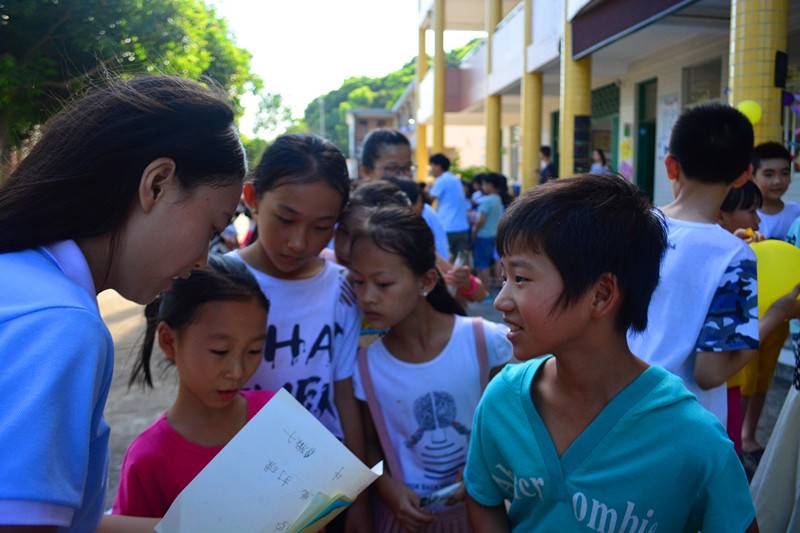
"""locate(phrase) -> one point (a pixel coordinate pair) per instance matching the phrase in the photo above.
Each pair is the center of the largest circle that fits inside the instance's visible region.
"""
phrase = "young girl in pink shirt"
(211, 327)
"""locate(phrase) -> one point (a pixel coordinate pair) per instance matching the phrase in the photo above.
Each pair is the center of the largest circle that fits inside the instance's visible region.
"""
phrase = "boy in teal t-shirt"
(592, 438)
(490, 209)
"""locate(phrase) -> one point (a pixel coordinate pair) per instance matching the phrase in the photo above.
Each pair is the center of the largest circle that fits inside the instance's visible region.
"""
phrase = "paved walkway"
(131, 410)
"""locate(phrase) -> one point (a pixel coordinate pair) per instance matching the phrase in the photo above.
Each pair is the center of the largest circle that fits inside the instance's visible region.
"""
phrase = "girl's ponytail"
(141, 370)
(441, 299)
(224, 278)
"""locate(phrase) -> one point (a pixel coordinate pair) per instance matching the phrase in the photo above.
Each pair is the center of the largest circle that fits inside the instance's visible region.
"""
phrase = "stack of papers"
(283, 472)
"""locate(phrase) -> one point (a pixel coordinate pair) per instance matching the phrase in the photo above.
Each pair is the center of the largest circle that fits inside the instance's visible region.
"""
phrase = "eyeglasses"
(396, 170)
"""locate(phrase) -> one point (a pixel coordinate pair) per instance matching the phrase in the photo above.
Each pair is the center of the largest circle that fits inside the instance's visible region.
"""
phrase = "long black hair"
(402, 232)
(81, 177)
(603, 160)
(223, 279)
(302, 158)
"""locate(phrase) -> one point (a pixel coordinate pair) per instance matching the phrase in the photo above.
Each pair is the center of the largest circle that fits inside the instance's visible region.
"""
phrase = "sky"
(304, 48)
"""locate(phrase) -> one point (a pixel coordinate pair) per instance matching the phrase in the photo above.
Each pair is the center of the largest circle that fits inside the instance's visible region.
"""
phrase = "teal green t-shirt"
(492, 206)
(652, 460)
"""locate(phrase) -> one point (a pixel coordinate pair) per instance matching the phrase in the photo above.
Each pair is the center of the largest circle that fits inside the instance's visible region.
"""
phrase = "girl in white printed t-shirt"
(421, 382)
(297, 193)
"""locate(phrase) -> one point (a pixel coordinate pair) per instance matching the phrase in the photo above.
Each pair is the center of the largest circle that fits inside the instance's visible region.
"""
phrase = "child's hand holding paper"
(283, 472)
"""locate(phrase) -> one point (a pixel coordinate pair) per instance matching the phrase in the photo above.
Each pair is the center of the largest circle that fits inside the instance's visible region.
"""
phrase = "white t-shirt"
(431, 404)
(706, 301)
(439, 234)
(777, 226)
(312, 339)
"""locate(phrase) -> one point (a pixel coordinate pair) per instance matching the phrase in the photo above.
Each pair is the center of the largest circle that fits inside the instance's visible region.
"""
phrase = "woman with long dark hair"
(123, 191)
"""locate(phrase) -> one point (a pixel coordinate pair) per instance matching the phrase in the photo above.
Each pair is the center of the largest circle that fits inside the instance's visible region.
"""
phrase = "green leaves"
(360, 92)
(53, 49)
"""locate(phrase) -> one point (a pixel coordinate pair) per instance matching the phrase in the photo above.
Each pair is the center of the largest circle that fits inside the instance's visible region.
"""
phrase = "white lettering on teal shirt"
(600, 517)
(516, 488)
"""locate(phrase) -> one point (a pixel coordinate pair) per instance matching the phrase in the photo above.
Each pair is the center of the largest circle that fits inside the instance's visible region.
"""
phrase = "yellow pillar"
(438, 77)
(576, 99)
(493, 102)
(422, 129)
(531, 110)
(758, 29)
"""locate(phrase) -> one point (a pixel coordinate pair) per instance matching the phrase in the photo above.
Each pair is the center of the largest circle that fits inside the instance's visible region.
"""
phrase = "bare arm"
(480, 222)
(460, 277)
(785, 308)
(712, 369)
(483, 518)
(350, 415)
(372, 445)
(127, 524)
(353, 427)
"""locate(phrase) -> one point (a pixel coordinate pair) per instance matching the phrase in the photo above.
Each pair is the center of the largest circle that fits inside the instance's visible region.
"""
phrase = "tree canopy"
(362, 91)
(52, 49)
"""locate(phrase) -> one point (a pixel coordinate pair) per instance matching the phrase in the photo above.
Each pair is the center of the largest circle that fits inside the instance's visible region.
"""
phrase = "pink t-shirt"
(160, 463)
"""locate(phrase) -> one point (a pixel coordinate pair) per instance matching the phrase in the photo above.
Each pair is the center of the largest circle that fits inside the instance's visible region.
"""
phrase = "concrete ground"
(131, 410)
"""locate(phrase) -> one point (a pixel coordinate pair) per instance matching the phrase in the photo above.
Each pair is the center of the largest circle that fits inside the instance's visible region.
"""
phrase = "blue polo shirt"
(451, 203)
(57, 361)
(652, 460)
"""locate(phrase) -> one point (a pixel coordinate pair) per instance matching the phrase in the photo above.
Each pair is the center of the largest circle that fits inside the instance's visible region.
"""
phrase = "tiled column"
(531, 110)
(758, 29)
(493, 103)
(576, 99)
(422, 129)
(438, 76)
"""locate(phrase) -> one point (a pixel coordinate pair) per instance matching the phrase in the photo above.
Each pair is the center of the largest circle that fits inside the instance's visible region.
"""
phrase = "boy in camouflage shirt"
(703, 317)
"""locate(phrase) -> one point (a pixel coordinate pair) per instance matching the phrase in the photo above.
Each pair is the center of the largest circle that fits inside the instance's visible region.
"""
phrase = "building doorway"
(646, 136)
(605, 122)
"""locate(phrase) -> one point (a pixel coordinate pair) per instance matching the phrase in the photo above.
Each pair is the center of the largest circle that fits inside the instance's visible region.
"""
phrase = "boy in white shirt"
(772, 172)
(703, 317)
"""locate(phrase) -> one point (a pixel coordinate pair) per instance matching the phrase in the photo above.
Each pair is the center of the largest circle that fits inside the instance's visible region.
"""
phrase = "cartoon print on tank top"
(443, 439)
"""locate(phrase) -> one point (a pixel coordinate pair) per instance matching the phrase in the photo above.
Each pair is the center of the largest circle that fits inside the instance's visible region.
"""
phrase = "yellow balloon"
(778, 266)
(751, 109)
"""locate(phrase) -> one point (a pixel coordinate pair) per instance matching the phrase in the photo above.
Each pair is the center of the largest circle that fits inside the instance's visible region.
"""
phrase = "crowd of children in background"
(430, 362)
(635, 330)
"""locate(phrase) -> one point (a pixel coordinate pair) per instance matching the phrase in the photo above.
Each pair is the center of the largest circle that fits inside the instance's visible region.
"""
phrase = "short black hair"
(545, 151)
(744, 197)
(588, 226)
(441, 160)
(712, 143)
(374, 194)
(376, 140)
(409, 187)
(222, 279)
(769, 150)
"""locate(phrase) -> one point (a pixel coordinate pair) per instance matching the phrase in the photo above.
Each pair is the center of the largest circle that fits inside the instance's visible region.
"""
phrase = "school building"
(610, 74)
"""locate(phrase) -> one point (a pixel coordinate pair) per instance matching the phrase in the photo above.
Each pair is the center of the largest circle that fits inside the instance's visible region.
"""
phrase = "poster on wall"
(626, 156)
(668, 113)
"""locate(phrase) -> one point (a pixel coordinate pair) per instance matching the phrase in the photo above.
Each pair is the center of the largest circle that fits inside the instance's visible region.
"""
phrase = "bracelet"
(473, 288)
